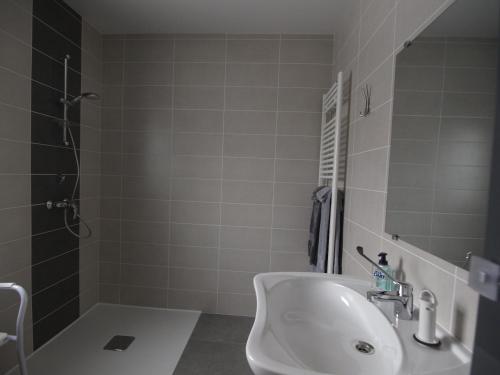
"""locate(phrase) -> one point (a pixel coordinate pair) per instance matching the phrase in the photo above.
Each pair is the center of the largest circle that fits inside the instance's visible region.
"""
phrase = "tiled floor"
(217, 347)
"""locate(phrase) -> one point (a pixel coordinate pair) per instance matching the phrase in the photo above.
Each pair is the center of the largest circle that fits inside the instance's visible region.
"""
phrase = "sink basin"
(313, 324)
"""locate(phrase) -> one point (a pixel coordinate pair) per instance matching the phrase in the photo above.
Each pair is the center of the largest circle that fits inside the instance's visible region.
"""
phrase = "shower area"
(145, 179)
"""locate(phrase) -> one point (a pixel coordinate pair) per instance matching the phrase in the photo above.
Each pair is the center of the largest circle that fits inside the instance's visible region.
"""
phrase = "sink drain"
(364, 347)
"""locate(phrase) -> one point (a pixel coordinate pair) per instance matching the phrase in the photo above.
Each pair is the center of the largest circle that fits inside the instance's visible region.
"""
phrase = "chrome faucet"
(401, 300)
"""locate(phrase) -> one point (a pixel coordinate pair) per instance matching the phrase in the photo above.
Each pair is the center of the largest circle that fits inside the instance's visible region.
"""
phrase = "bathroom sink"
(312, 324)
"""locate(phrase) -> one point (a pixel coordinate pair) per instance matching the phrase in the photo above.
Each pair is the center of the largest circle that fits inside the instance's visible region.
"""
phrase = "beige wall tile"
(195, 235)
(287, 217)
(199, 73)
(236, 282)
(198, 121)
(306, 75)
(141, 296)
(147, 73)
(244, 260)
(192, 300)
(247, 192)
(147, 50)
(237, 304)
(289, 240)
(242, 74)
(245, 238)
(246, 215)
(199, 97)
(194, 156)
(253, 51)
(195, 213)
(205, 280)
(299, 123)
(251, 98)
(297, 147)
(249, 122)
(200, 50)
(193, 257)
(306, 51)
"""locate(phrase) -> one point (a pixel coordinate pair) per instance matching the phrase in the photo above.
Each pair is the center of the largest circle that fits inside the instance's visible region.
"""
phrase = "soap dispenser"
(427, 320)
(381, 280)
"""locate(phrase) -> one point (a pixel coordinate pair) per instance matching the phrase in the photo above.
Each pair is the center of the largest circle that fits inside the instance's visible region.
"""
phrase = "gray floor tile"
(213, 358)
(222, 328)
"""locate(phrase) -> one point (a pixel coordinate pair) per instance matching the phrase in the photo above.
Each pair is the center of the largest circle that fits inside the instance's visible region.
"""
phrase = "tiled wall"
(209, 157)
(57, 31)
(442, 145)
(35, 251)
(90, 159)
(371, 34)
(15, 166)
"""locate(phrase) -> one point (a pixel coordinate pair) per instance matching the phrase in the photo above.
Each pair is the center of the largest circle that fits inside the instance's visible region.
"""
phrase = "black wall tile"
(48, 245)
(51, 325)
(51, 43)
(48, 130)
(52, 187)
(50, 72)
(60, 17)
(46, 100)
(45, 220)
(50, 299)
(46, 274)
(55, 252)
(52, 160)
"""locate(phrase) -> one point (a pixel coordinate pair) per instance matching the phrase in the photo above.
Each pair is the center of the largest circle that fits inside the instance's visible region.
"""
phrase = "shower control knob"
(60, 204)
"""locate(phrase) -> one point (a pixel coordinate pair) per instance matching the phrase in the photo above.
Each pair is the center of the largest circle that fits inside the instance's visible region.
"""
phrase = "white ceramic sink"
(311, 324)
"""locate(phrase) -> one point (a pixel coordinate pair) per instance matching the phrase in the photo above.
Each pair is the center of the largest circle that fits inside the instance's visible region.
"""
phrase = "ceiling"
(467, 19)
(212, 16)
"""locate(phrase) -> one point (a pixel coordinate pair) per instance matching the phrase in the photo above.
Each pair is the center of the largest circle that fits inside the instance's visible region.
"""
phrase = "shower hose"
(71, 205)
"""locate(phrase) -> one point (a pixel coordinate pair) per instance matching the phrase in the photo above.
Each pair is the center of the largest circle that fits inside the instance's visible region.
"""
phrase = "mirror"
(442, 131)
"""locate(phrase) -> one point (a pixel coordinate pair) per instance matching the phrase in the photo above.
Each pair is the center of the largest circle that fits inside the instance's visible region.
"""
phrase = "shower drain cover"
(119, 343)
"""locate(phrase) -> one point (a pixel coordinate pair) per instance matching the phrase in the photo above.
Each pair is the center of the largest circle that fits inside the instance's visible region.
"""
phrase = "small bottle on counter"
(381, 280)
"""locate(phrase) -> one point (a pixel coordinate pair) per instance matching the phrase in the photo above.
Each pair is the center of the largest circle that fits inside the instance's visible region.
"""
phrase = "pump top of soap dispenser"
(382, 259)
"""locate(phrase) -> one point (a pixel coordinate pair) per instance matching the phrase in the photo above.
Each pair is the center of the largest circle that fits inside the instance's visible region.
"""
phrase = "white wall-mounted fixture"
(329, 155)
(18, 338)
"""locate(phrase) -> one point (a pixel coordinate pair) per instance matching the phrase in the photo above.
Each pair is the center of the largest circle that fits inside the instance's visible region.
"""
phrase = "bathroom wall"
(446, 142)
(371, 33)
(36, 251)
(209, 157)
(15, 165)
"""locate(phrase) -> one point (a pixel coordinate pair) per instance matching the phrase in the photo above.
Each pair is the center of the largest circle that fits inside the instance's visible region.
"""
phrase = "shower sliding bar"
(19, 337)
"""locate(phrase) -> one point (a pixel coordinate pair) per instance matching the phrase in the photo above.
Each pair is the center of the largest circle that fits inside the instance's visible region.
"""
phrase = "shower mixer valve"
(66, 204)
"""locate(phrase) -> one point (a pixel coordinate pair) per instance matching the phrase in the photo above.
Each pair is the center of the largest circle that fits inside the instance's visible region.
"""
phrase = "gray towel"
(339, 233)
(319, 228)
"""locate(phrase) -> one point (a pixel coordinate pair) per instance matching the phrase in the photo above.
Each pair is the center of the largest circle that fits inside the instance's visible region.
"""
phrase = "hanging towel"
(339, 233)
(318, 229)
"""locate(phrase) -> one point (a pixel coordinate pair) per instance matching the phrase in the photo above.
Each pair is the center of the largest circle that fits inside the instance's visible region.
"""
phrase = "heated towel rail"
(331, 154)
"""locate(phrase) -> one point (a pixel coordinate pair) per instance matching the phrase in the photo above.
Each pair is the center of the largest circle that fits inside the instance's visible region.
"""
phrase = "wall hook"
(367, 95)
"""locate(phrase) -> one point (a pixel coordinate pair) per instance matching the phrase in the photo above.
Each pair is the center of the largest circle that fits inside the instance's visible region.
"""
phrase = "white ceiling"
(212, 16)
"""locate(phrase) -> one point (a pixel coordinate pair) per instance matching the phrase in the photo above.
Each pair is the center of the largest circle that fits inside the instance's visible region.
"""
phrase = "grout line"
(273, 199)
(171, 166)
(221, 196)
(122, 100)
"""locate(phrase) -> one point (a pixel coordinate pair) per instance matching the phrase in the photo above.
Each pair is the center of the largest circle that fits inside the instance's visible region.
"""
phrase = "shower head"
(79, 98)
(84, 95)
